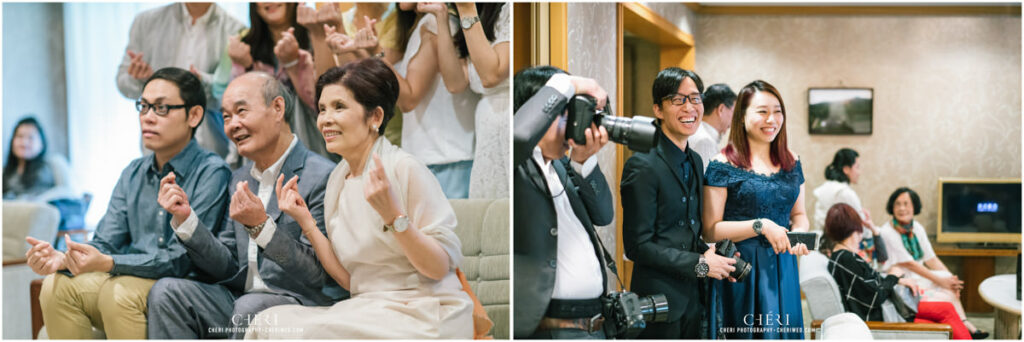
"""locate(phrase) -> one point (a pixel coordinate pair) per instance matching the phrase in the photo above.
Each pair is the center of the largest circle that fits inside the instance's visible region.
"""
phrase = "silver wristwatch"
(757, 226)
(400, 225)
(702, 268)
(469, 21)
(254, 231)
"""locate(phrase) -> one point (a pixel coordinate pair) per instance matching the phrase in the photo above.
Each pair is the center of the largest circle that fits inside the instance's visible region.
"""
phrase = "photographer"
(661, 203)
(557, 256)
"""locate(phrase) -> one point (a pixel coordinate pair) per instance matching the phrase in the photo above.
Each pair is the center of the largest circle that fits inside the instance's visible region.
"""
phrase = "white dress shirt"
(267, 182)
(705, 142)
(578, 274)
(193, 45)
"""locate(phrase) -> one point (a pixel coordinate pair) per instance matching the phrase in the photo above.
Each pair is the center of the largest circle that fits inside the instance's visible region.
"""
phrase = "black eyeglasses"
(159, 109)
(680, 99)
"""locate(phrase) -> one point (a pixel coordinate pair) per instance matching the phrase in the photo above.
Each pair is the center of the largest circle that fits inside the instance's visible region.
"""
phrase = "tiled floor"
(983, 321)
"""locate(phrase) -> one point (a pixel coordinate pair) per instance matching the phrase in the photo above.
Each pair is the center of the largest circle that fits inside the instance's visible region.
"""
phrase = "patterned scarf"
(909, 240)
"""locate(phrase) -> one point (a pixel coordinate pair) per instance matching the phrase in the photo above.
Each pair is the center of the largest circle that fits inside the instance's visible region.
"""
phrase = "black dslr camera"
(626, 313)
(727, 249)
(638, 133)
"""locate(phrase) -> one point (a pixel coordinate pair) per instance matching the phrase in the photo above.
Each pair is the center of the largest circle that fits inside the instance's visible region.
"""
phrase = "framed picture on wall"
(840, 111)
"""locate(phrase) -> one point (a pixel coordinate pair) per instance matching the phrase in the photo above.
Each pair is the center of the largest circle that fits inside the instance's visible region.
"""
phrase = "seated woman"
(31, 174)
(391, 243)
(910, 250)
(865, 289)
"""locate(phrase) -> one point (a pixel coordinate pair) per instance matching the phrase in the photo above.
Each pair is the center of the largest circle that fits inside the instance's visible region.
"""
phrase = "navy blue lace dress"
(766, 305)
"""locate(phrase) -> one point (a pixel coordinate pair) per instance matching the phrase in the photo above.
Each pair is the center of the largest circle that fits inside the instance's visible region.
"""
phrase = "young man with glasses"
(105, 283)
(661, 211)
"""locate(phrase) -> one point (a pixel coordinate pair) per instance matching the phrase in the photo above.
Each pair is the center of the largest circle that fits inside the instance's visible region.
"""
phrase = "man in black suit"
(558, 260)
(661, 202)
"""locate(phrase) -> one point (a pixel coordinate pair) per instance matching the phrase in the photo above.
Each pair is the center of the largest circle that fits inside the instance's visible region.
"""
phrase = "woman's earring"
(374, 127)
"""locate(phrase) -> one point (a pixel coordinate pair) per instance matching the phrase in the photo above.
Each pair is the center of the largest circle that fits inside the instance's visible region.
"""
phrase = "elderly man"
(260, 259)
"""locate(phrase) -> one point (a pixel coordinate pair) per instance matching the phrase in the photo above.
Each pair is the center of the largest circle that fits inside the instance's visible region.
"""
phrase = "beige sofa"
(483, 229)
(484, 232)
(22, 219)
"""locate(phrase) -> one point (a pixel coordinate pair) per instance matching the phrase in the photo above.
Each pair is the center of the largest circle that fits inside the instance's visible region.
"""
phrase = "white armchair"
(22, 219)
(824, 301)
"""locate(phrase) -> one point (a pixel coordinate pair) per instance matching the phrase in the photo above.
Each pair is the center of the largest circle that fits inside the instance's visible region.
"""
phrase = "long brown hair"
(738, 150)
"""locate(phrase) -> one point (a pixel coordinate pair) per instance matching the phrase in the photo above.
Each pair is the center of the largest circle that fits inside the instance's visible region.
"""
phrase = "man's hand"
(84, 258)
(719, 266)
(246, 208)
(42, 258)
(597, 137)
(173, 199)
(138, 68)
(590, 87)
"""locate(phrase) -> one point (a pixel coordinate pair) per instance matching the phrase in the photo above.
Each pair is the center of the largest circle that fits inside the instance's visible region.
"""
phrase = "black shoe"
(979, 335)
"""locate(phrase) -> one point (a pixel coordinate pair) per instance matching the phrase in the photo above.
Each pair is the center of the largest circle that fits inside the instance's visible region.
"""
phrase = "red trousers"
(942, 312)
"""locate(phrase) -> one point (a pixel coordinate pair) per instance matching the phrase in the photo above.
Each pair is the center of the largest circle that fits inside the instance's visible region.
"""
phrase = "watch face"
(401, 224)
(702, 269)
(468, 22)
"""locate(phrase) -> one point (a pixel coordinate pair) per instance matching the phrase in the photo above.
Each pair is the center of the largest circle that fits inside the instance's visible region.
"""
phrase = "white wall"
(33, 70)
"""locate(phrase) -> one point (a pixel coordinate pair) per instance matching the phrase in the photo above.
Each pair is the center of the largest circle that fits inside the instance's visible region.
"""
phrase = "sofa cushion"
(21, 219)
(483, 230)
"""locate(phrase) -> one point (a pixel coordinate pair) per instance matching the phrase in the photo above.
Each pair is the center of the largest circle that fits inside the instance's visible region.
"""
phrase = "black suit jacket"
(535, 233)
(659, 234)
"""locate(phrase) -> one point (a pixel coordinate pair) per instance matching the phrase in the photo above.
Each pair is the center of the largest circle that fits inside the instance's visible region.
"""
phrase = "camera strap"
(608, 259)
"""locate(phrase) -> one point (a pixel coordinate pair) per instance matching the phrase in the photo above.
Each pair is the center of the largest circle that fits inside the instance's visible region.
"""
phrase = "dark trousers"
(188, 309)
(684, 328)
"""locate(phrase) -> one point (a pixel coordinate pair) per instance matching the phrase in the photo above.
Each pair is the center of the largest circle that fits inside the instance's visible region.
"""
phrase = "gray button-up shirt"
(136, 231)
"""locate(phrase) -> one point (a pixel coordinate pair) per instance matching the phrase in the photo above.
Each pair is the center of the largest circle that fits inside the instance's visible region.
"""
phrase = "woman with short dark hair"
(392, 243)
(911, 254)
(864, 289)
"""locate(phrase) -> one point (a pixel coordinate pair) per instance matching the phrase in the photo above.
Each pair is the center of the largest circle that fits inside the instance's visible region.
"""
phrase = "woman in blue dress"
(754, 195)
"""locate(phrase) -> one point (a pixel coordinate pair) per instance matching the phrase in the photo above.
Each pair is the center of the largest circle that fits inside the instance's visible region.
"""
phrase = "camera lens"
(654, 308)
(637, 133)
(728, 249)
(742, 269)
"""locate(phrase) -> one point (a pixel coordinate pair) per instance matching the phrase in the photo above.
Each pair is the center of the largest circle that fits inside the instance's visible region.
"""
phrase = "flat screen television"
(979, 210)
